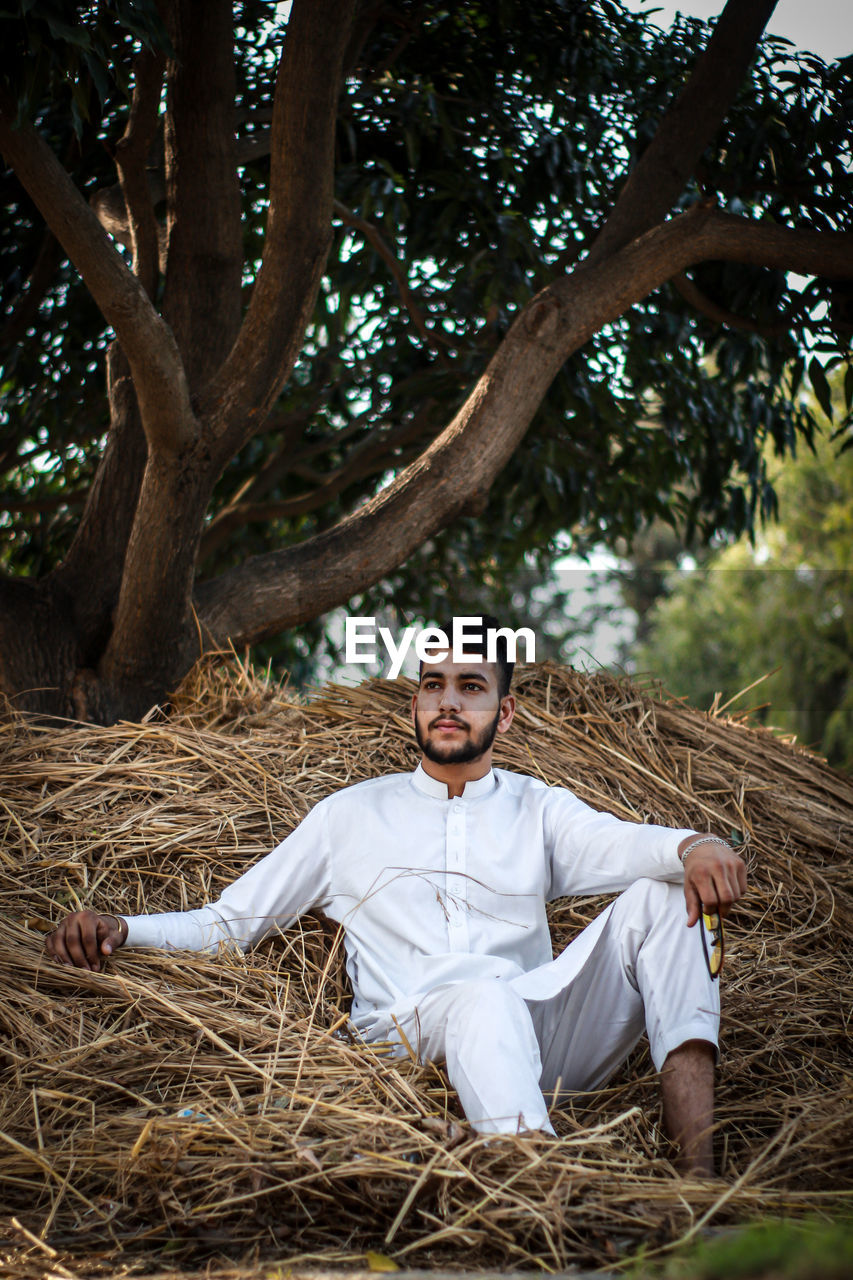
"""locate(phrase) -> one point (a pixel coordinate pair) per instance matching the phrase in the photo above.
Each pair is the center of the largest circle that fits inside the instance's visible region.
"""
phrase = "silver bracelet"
(704, 840)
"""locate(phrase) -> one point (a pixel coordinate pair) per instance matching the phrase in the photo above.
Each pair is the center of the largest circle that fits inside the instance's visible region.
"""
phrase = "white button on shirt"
(429, 890)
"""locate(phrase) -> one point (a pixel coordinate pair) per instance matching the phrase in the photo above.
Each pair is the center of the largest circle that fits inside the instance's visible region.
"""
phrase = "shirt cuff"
(678, 834)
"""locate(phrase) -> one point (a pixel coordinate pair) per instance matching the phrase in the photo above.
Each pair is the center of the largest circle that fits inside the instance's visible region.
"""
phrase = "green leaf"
(63, 32)
(820, 386)
(99, 76)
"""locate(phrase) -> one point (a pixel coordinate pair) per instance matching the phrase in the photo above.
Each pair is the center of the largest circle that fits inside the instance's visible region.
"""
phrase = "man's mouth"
(447, 726)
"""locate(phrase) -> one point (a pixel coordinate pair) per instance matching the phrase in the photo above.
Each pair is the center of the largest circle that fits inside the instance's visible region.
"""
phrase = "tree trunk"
(91, 573)
(107, 634)
(140, 666)
(40, 655)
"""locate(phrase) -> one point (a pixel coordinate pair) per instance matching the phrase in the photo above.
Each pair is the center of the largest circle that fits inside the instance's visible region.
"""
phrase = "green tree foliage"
(488, 151)
(782, 609)
(481, 152)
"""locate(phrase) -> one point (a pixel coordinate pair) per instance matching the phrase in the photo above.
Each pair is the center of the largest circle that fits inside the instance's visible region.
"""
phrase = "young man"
(440, 880)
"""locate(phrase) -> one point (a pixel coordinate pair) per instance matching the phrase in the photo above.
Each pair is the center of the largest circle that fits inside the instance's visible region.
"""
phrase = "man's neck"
(454, 776)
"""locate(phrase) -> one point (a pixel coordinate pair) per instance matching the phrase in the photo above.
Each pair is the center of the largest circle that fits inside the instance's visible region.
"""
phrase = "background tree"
(782, 609)
(396, 287)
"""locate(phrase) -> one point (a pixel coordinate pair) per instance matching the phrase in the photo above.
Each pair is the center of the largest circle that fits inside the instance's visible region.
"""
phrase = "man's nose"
(450, 700)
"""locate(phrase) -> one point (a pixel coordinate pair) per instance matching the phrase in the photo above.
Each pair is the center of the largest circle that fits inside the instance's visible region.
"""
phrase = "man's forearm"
(202, 929)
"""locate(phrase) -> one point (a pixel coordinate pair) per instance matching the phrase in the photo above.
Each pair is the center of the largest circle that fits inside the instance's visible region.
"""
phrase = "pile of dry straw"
(309, 1149)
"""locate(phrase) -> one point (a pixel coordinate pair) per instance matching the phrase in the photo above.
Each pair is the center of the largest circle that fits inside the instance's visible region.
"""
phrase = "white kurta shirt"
(430, 890)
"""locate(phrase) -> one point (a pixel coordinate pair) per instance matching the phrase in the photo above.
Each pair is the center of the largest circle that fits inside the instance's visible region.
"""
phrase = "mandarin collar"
(438, 790)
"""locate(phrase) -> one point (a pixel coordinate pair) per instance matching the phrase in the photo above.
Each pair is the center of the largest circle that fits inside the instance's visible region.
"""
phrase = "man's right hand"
(84, 937)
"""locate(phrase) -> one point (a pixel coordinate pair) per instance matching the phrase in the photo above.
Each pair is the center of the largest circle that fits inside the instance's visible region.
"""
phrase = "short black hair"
(476, 639)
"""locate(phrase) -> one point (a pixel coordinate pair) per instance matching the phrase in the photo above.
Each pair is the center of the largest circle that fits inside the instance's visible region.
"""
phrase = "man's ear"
(507, 706)
(414, 706)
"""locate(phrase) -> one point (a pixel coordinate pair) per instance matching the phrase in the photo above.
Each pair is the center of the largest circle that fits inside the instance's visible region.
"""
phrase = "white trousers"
(573, 1021)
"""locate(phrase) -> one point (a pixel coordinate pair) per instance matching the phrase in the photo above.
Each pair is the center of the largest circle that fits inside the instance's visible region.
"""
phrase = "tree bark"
(139, 667)
(132, 151)
(154, 605)
(202, 300)
(102, 536)
(149, 545)
(298, 232)
(39, 652)
(91, 573)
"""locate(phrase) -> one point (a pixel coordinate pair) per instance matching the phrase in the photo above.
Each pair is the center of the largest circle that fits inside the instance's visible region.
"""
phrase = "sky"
(824, 27)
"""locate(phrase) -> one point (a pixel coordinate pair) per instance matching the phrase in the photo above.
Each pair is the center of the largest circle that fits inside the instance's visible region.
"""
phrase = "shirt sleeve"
(294, 878)
(592, 852)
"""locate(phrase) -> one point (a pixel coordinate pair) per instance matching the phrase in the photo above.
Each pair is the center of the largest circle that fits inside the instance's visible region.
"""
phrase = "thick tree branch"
(240, 396)
(202, 298)
(713, 311)
(724, 237)
(158, 374)
(284, 588)
(131, 155)
(687, 127)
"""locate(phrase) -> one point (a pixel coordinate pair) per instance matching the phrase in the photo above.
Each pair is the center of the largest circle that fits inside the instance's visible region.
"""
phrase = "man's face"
(457, 710)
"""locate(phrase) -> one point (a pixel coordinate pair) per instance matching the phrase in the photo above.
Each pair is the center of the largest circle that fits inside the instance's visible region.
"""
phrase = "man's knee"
(652, 901)
(659, 892)
(487, 1017)
(651, 915)
(472, 1012)
(485, 999)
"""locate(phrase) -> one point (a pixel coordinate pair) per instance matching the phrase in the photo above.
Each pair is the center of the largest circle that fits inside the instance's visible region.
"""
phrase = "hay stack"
(304, 1147)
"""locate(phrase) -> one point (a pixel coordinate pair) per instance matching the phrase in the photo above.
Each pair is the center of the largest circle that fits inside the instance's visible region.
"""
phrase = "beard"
(462, 752)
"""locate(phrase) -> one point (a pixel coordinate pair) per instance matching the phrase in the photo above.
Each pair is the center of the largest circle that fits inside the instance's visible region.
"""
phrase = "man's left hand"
(714, 878)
